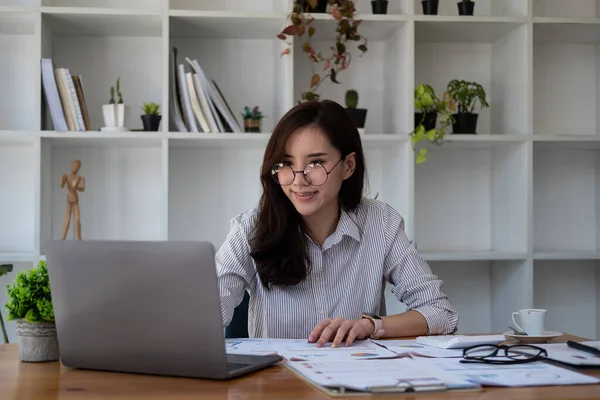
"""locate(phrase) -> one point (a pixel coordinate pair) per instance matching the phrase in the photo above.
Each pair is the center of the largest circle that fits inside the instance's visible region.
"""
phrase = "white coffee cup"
(532, 320)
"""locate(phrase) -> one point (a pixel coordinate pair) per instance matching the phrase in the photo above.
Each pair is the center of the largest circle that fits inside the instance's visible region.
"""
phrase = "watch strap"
(378, 326)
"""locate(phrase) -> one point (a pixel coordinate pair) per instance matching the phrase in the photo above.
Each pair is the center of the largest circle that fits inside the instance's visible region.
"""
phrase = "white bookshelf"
(508, 218)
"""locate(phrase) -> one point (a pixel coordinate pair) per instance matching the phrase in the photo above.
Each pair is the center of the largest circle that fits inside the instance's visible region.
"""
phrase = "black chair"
(238, 328)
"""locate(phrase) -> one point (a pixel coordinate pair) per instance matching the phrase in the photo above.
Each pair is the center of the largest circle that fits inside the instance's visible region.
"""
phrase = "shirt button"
(323, 312)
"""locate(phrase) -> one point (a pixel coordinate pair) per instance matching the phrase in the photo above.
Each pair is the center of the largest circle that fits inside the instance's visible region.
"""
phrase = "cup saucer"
(543, 338)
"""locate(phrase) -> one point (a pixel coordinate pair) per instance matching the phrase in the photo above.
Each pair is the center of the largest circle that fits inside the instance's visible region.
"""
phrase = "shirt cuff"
(439, 321)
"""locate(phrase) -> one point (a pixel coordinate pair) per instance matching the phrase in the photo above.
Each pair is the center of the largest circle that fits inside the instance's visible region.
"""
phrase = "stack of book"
(197, 104)
(64, 98)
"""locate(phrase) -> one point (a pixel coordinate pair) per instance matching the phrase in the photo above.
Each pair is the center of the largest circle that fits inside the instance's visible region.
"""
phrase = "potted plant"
(430, 107)
(30, 304)
(430, 7)
(466, 7)
(462, 96)
(252, 119)
(4, 269)
(379, 6)
(313, 6)
(109, 111)
(120, 106)
(345, 31)
(357, 115)
(151, 118)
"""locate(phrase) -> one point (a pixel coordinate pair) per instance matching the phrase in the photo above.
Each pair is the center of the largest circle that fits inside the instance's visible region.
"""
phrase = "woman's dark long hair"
(278, 244)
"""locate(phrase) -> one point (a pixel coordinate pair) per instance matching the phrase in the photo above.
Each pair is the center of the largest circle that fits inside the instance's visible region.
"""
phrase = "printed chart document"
(515, 375)
(390, 375)
(410, 348)
(562, 353)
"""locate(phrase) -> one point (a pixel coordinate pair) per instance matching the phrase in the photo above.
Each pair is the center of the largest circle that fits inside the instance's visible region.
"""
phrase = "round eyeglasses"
(314, 172)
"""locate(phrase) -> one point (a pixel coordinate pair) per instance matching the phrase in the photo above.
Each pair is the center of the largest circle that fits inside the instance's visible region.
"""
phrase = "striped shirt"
(368, 248)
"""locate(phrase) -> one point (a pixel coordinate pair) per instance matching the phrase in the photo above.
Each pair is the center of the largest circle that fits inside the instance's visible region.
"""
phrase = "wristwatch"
(377, 322)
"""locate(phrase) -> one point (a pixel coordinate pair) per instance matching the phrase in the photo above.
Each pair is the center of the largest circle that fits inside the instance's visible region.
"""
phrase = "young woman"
(315, 254)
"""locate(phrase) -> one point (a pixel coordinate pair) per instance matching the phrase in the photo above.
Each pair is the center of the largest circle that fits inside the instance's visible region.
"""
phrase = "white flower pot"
(109, 111)
(38, 342)
(120, 115)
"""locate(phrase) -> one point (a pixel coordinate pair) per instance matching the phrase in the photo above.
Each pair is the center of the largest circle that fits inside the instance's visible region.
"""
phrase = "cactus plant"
(351, 98)
(119, 90)
(112, 95)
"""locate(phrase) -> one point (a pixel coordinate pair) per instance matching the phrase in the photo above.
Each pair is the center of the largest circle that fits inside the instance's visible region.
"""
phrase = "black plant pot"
(379, 6)
(151, 122)
(465, 123)
(466, 7)
(430, 7)
(320, 8)
(358, 116)
(428, 122)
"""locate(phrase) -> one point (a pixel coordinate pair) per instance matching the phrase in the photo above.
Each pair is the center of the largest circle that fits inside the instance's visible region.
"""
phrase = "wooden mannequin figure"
(75, 183)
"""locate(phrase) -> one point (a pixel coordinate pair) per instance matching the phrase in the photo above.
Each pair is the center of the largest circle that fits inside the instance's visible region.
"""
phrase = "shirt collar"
(347, 226)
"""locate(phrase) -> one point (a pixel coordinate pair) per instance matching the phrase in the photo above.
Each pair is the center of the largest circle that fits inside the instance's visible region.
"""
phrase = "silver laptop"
(149, 307)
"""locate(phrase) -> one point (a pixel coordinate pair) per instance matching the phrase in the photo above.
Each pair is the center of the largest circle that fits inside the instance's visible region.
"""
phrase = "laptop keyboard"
(231, 366)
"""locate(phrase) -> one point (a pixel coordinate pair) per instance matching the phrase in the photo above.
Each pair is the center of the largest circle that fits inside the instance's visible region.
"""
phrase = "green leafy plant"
(29, 296)
(426, 101)
(254, 114)
(151, 108)
(462, 96)
(4, 270)
(112, 95)
(300, 25)
(351, 98)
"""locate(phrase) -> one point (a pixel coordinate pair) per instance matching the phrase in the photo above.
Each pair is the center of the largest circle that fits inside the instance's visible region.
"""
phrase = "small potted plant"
(30, 304)
(379, 6)
(120, 106)
(431, 108)
(357, 115)
(252, 119)
(4, 269)
(430, 7)
(151, 118)
(462, 96)
(109, 111)
(466, 7)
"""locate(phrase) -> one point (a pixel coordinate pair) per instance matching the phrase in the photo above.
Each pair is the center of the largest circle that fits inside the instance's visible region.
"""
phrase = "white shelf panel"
(472, 200)
(8, 138)
(566, 189)
(265, 6)
(479, 141)
(568, 141)
(461, 29)
(9, 258)
(569, 290)
(566, 30)
(140, 5)
(19, 47)
(225, 24)
(84, 21)
(17, 177)
(567, 255)
(472, 256)
(572, 9)
(103, 139)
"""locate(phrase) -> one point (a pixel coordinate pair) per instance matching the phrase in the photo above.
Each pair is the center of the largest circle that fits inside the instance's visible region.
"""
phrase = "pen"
(583, 347)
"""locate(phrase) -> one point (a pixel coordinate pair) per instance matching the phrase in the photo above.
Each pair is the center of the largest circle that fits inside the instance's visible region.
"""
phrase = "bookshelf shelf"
(507, 217)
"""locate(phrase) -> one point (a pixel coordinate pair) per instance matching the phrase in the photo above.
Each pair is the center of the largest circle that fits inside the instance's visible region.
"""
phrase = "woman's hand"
(339, 330)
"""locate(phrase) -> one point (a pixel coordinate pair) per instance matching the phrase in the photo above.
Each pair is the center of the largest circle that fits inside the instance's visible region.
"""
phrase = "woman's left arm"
(429, 310)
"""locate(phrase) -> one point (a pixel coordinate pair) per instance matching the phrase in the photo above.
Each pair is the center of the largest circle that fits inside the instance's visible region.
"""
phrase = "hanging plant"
(299, 24)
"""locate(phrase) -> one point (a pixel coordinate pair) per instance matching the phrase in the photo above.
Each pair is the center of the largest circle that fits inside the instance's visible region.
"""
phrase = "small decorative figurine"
(75, 183)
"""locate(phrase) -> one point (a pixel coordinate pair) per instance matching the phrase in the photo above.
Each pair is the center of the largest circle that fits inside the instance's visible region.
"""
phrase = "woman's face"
(309, 148)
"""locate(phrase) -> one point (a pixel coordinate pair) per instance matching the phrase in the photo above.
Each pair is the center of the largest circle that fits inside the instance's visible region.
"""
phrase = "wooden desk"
(45, 381)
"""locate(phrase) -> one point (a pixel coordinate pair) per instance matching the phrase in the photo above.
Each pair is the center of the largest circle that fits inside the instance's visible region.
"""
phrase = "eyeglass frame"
(542, 355)
(303, 172)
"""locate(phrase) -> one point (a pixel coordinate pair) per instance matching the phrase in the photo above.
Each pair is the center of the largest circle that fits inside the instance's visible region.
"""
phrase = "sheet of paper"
(410, 348)
(260, 346)
(515, 375)
(378, 375)
(362, 350)
(565, 354)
